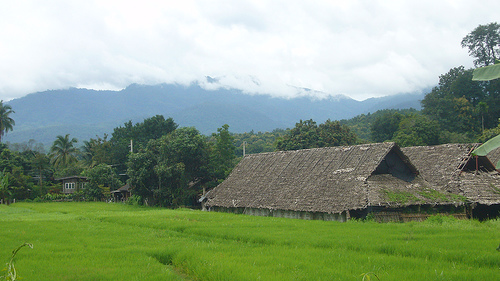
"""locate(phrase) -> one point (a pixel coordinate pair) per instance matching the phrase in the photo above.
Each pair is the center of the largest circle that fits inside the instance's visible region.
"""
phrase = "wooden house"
(331, 183)
(454, 169)
(122, 193)
(72, 184)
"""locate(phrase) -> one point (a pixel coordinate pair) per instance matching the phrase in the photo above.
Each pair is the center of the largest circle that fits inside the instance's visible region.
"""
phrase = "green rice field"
(107, 241)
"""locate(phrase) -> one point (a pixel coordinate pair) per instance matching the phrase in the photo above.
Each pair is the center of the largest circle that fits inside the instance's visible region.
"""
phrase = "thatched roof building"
(454, 169)
(331, 183)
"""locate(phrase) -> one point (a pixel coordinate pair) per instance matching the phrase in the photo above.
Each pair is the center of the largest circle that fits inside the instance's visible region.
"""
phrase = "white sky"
(357, 48)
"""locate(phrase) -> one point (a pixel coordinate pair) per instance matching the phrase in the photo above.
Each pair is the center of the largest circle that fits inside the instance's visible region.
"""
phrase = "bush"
(440, 219)
(134, 200)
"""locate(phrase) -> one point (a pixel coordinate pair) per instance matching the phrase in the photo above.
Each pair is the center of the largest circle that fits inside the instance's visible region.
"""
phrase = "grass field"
(101, 241)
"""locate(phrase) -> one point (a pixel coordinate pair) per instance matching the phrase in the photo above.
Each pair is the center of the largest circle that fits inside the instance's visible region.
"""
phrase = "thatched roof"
(330, 180)
(124, 189)
(453, 168)
(72, 178)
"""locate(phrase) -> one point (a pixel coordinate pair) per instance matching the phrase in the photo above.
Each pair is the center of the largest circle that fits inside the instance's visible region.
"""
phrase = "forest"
(171, 166)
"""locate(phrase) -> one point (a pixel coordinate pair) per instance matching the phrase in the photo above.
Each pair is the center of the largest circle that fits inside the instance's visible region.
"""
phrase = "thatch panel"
(273, 180)
(437, 164)
(386, 190)
(482, 188)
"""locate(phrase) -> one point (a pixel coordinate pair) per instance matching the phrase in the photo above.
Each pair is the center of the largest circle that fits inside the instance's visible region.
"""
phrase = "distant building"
(72, 184)
(122, 193)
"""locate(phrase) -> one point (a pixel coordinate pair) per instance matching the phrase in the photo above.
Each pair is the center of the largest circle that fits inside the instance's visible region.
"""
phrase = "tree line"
(168, 166)
(171, 166)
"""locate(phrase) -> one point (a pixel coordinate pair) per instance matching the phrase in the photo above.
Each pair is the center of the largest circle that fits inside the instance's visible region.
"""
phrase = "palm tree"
(88, 153)
(6, 122)
(63, 152)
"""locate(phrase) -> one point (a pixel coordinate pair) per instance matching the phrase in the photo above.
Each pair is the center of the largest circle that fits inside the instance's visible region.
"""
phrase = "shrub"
(440, 219)
(134, 200)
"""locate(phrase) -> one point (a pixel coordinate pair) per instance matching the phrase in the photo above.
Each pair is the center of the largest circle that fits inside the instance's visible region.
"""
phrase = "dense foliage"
(251, 142)
(134, 137)
(167, 171)
(307, 134)
(101, 179)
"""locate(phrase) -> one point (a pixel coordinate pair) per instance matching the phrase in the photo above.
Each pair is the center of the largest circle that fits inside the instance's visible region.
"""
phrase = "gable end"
(396, 164)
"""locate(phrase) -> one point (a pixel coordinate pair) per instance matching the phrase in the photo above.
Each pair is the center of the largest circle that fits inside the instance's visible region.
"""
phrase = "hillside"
(86, 113)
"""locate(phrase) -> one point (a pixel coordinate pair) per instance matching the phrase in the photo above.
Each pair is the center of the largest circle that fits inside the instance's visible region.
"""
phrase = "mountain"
(84, 113)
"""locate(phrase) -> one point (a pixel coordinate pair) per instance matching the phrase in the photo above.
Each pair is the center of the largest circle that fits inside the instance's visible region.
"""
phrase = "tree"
(97, 151)
(257, 142)
(453, 102)
(332, 133)
(307, 134)
(170, 170)
(140, 134)
(483, 44)
(415, 129)
(303, 136)
(489, 134)
(14, 164)
(222, 155)
(5, 192)
(6, 122)
(40, 162)
(384, 126)
(142, 177)
(63, 152)
(154, 128)
(101, 179)
(482, 108)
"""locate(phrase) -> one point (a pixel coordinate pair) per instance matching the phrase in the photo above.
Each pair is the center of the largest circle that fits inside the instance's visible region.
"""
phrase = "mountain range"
(85, 113)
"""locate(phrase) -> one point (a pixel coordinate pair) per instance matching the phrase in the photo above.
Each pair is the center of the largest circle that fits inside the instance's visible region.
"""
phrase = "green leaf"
(486, 147)
(486, 73)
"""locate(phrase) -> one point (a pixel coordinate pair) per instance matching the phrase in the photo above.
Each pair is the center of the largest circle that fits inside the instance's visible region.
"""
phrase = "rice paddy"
(101, 241)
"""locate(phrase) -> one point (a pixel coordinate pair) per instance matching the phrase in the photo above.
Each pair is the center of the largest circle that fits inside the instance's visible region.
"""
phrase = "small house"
(330, 183)
(122, 193)
(72, 184)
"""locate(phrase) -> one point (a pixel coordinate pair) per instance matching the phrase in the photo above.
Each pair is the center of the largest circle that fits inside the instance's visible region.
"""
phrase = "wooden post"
(477, 164)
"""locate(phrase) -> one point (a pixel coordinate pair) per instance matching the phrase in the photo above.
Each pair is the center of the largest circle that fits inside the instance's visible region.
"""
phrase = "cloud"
(357, 48)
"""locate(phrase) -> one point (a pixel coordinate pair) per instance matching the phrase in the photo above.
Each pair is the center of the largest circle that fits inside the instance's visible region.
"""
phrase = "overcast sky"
(357, 48)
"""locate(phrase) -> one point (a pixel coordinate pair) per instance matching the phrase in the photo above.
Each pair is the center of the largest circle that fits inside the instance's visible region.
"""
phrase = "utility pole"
(131, 146)
(244, 143)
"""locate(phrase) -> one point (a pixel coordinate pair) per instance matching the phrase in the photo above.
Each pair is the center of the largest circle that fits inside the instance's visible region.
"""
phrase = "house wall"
(342, 217)
(72, 185)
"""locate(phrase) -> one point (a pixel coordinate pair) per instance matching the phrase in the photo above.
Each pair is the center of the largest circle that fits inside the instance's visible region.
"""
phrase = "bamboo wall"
(342, 217)
(405, 217)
